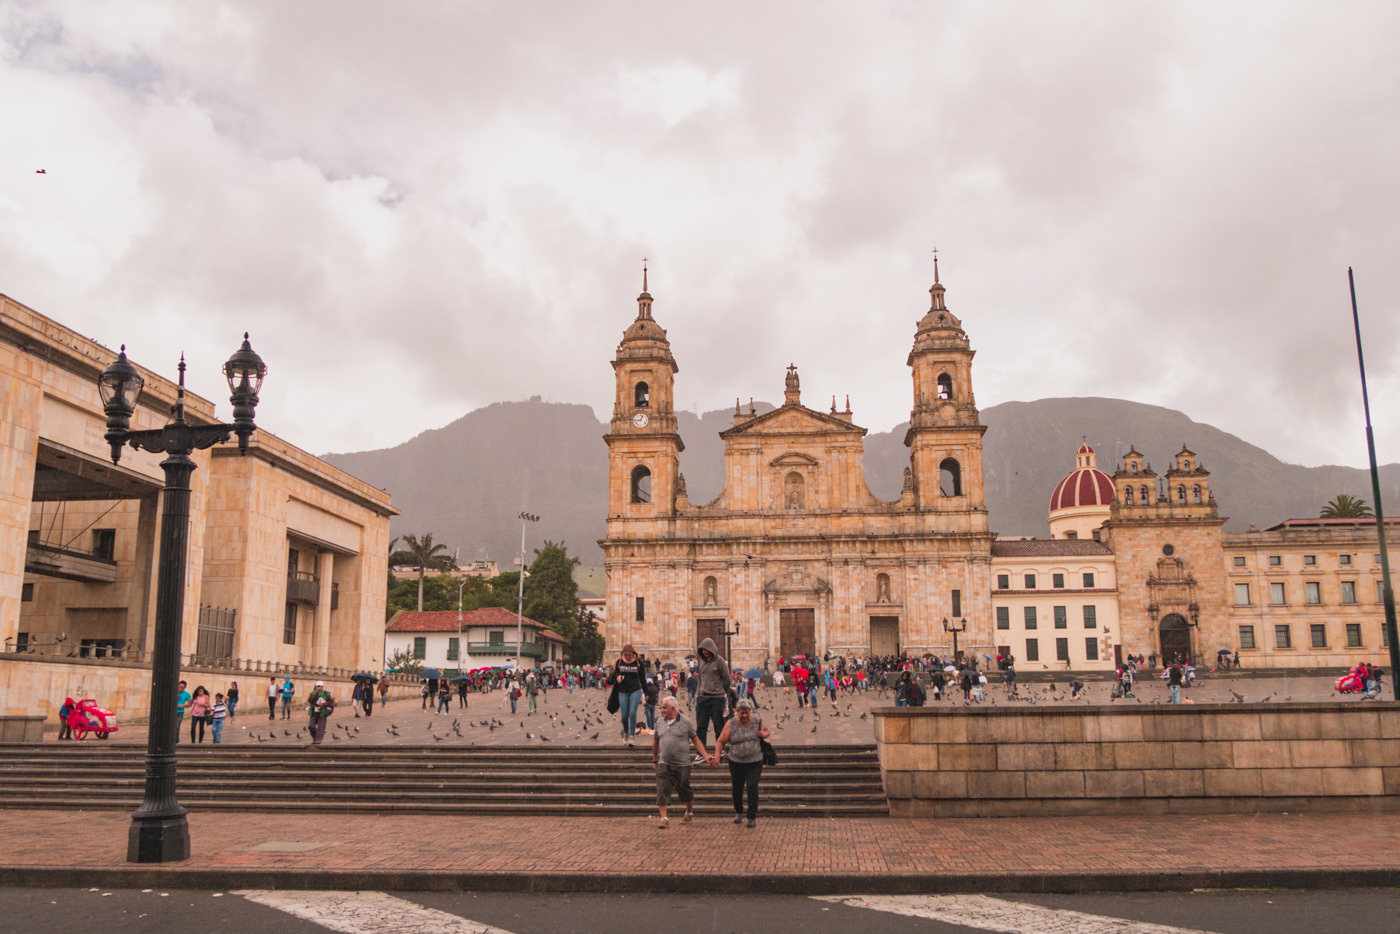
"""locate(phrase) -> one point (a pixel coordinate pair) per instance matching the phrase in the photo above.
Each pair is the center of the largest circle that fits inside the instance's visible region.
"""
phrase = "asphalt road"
(38, 911)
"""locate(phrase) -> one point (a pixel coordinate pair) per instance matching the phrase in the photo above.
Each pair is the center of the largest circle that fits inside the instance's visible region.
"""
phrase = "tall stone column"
(321, 638)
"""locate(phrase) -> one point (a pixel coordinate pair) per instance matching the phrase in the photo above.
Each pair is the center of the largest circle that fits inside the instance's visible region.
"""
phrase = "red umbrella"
(801, 673)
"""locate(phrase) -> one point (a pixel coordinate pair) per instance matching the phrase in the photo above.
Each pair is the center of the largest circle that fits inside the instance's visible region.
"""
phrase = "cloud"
(417, 210)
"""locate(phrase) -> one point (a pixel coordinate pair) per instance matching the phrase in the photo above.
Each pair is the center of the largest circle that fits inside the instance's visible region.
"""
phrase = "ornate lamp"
(159, 832)
(244, 371)
(120, 387)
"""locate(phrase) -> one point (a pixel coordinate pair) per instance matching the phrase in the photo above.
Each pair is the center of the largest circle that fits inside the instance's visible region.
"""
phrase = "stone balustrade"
(990, 762)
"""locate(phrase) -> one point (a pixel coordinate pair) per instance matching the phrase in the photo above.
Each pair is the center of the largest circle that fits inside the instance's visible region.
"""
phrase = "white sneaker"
(698, 758)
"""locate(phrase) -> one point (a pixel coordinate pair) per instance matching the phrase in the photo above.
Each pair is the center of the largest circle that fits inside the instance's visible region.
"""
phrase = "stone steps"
(839, 781)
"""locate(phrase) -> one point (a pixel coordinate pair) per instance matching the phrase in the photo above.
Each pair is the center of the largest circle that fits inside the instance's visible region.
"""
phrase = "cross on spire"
(935, 265)
(644, 273)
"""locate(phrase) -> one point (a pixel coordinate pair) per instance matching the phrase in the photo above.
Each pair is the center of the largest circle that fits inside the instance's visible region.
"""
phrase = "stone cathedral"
(796, 555)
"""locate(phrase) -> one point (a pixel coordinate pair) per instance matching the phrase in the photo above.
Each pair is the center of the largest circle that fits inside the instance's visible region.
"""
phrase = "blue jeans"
(1176, 694)
(218, 727)
(651, 716)
(627, 703)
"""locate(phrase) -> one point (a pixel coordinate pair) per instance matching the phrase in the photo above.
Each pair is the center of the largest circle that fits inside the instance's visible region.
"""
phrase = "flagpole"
(1387, 594)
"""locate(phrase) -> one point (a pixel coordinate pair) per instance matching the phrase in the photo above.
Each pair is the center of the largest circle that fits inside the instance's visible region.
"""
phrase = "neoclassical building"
(287, 555)
(796, 555)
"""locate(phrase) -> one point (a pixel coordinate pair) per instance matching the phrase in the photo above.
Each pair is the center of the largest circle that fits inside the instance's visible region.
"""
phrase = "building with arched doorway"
(796, 555)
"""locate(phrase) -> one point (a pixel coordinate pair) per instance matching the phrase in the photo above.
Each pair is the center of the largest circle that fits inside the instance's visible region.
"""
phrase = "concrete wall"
(37, 686)
(1102, 760)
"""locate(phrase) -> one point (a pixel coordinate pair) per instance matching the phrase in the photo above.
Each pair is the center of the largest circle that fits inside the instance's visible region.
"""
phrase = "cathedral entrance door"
(797, 632)
(1175, 638)
(884, 635)
(709, 629)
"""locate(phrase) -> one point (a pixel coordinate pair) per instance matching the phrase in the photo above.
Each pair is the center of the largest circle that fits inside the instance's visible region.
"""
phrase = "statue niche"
(794, 493)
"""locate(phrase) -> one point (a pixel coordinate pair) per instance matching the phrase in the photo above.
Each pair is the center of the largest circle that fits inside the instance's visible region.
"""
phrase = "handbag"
(770, 755)
(613, 703)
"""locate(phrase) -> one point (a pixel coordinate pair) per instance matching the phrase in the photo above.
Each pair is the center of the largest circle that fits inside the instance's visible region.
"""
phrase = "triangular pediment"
(793, 419)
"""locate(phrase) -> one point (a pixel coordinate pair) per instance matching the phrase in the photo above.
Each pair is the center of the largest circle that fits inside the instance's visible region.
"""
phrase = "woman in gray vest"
(741, 736)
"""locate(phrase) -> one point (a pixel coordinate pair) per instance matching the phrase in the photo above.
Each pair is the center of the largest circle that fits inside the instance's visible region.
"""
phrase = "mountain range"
(467, 482)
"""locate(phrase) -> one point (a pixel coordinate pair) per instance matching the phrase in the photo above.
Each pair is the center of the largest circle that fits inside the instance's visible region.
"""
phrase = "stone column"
(321, 638)
(21, 400)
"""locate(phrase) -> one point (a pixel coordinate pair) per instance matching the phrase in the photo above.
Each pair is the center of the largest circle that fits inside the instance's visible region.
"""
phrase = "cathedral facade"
(797, 556)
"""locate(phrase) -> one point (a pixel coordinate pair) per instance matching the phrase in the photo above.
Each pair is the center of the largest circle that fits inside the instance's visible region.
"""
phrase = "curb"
(705, 883)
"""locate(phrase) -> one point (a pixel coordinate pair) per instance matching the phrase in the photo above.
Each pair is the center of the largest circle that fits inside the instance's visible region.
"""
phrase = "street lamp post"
(955, 628)
(728, 649)
(520, 599)
(159, 832)
(459, 627)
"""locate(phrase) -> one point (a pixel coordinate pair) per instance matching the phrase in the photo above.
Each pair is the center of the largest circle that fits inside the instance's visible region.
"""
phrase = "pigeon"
(594, 736)
(41, 171)
(814, 729)
(1239, 698)
(544, 739)
(529, 735)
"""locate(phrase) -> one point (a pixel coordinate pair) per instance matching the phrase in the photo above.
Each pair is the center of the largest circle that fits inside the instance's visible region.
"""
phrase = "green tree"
(551, 593)
(586, 647)
(1346, 506)
(422, 554)
(404, 663)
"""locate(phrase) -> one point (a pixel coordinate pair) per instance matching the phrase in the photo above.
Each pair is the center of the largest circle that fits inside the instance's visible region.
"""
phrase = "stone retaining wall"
(990, 762)
(37, 685)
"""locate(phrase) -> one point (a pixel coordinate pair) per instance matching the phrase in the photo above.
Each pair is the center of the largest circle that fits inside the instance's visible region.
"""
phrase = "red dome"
(1086, 486)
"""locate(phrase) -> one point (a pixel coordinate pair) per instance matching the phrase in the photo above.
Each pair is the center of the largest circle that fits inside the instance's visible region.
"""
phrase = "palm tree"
(423, 555)
(1346, 506)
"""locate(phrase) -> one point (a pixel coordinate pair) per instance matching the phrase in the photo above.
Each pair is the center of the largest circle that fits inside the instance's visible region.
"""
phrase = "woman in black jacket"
(627, 675)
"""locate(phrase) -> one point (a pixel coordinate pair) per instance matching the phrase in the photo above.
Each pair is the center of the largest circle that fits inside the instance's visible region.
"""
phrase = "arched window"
(794, 491)
(950, 478)
(1128, 496)
(641, 484)
(1142, 496)
(642, 396)
(1181, 494)
(1196, 494)
(945, 386)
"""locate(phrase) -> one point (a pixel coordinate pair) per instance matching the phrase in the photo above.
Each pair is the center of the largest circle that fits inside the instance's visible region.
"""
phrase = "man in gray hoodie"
(713, 692)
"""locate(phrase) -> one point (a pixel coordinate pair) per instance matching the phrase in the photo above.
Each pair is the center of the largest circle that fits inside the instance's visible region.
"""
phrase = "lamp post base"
(158, 840)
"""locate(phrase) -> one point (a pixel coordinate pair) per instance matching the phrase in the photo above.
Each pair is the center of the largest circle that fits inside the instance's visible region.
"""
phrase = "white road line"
(995, 914)
(358, 912)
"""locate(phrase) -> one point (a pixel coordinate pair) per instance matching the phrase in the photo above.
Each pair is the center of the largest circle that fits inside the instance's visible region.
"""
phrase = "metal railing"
(305, 587)
(67, 653)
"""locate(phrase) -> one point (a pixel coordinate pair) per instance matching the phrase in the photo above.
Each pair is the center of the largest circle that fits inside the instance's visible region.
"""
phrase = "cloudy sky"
(421, 208)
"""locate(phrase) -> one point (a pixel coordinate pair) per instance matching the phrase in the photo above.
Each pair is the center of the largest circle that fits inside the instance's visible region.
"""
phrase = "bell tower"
(945, 436)
(643, 443)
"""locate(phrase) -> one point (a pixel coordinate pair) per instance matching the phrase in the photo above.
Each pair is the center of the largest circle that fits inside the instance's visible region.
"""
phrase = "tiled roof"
(1048, 547)
(446, 620)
